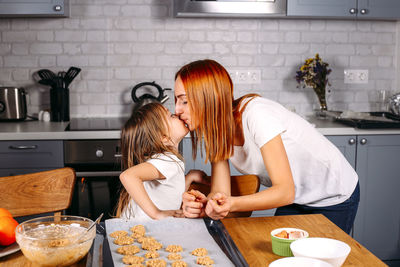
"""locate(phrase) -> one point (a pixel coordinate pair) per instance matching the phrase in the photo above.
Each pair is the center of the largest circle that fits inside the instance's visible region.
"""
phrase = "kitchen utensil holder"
(59, 104)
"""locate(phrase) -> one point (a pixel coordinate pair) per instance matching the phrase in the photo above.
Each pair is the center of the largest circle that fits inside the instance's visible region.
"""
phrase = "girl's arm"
(132, 179)
(281, 192)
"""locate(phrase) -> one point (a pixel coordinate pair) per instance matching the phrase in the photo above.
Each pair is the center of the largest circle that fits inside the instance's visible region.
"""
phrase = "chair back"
(40, 192)
(241, 185)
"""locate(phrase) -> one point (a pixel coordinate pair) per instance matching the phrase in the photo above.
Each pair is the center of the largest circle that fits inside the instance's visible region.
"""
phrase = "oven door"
(97, 166)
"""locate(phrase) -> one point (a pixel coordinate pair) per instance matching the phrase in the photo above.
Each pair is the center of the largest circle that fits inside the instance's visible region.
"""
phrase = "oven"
(97, 163)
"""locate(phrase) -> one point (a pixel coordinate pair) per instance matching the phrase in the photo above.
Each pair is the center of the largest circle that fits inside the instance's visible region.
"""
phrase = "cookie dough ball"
(128, 250)
(200, 252)
(173, 248)
(117, 234)
(131, 259)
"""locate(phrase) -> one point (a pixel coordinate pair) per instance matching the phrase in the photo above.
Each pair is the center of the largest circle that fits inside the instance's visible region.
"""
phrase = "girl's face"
(181, 104)
(177, 128)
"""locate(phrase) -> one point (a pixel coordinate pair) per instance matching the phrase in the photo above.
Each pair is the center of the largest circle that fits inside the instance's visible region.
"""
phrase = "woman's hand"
(193, 203)
(218, 206)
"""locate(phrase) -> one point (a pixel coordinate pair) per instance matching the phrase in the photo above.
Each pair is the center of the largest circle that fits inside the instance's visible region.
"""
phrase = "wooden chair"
(40, 192)
(240, 185)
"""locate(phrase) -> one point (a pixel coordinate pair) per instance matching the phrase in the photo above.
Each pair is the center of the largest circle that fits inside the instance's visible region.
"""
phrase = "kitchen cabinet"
(377, 224)
(34, 8)
(198, 163)
(350, 9)
(347, 145)
(376, 160)
(20, 157)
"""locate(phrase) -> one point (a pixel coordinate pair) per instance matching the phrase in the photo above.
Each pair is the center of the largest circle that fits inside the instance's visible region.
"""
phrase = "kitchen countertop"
(40, 130)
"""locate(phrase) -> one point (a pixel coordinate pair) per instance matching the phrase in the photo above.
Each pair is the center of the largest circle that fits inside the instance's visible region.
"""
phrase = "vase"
(320, 91)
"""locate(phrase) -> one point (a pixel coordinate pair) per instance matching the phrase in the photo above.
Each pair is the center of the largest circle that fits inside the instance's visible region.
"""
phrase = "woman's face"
(181, 104)
(177, 128)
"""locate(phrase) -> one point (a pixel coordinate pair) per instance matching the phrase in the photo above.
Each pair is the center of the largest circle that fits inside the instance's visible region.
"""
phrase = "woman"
(305, 173)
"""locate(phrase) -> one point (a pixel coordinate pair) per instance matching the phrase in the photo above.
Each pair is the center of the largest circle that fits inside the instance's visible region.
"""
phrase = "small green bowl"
(281, 246)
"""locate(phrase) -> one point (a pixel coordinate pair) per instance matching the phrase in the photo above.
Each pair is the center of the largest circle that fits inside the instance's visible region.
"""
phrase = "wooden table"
(252, 236)
(18, 259)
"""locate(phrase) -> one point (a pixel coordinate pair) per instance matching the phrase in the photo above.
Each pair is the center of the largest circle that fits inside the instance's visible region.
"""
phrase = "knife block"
(59, 104)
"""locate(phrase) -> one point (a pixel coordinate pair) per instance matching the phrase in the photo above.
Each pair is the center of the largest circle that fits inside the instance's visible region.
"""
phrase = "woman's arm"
(281, 192)
(220, 178)
(132, 179)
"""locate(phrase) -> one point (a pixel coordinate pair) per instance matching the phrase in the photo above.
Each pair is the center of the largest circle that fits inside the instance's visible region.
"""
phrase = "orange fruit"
(5, 212)
(7, 230)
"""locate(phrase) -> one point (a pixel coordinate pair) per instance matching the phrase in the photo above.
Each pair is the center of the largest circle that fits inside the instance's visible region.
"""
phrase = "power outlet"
(245, 76)
(355, 76)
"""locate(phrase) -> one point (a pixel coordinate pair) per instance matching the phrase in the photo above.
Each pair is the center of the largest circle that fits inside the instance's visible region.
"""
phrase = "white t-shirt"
(321, 174)
(166, 193)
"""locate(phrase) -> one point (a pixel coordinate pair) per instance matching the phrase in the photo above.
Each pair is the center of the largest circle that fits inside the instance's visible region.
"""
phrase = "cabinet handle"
(23, 147)
(363, 141)
(353, 10)
(352, 141)
(364, 11)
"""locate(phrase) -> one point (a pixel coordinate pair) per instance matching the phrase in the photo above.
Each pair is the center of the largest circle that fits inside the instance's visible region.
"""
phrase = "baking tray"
(372, 120)
(221, 236)
(215, 228)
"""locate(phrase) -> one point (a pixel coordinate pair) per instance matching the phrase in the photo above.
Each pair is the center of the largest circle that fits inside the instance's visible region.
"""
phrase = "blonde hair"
(214, 112)
(141, 139)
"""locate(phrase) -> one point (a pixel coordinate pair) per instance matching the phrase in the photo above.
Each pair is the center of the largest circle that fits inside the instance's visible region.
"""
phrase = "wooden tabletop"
(18, 259)
(252, 236)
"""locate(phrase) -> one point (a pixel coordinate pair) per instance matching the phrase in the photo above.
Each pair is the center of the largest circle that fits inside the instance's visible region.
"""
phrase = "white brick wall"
(119, 43)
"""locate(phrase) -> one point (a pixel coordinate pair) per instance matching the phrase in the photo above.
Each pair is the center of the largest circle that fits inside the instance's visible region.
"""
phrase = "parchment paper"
(188, 233)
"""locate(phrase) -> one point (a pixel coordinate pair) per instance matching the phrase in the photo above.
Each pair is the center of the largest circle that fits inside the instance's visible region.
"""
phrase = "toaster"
(12, 104)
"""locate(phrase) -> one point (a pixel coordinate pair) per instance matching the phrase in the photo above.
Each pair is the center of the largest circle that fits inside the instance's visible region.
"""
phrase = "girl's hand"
(193, 203)
(218, 206)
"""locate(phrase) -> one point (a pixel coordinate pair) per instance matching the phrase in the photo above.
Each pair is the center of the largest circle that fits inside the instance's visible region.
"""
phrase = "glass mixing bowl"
(55, 240)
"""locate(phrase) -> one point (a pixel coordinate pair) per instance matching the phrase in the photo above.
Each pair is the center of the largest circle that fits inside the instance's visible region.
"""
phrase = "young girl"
(154, 178)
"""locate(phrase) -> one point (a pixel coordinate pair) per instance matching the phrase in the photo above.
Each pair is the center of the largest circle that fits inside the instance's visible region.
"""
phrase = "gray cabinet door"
(360, 9)
(377, 224)
(379, 9)
(198, 163)
(34, 8)
(347, 145)
(318, 8)
(31, 154)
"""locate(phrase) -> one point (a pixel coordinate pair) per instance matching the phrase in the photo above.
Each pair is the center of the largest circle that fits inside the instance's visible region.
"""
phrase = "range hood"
(229, 8)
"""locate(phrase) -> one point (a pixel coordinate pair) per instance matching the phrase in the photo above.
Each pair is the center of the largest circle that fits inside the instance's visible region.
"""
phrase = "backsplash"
(120, 43)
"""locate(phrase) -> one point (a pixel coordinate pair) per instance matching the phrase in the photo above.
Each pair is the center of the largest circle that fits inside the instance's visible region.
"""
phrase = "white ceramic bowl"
(299, 262)
(330, 250)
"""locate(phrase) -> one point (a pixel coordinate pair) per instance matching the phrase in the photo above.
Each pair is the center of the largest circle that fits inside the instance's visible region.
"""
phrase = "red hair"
(209, 92)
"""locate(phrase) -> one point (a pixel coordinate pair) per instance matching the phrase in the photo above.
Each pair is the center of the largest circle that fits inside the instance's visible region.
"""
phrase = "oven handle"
(98, 174)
